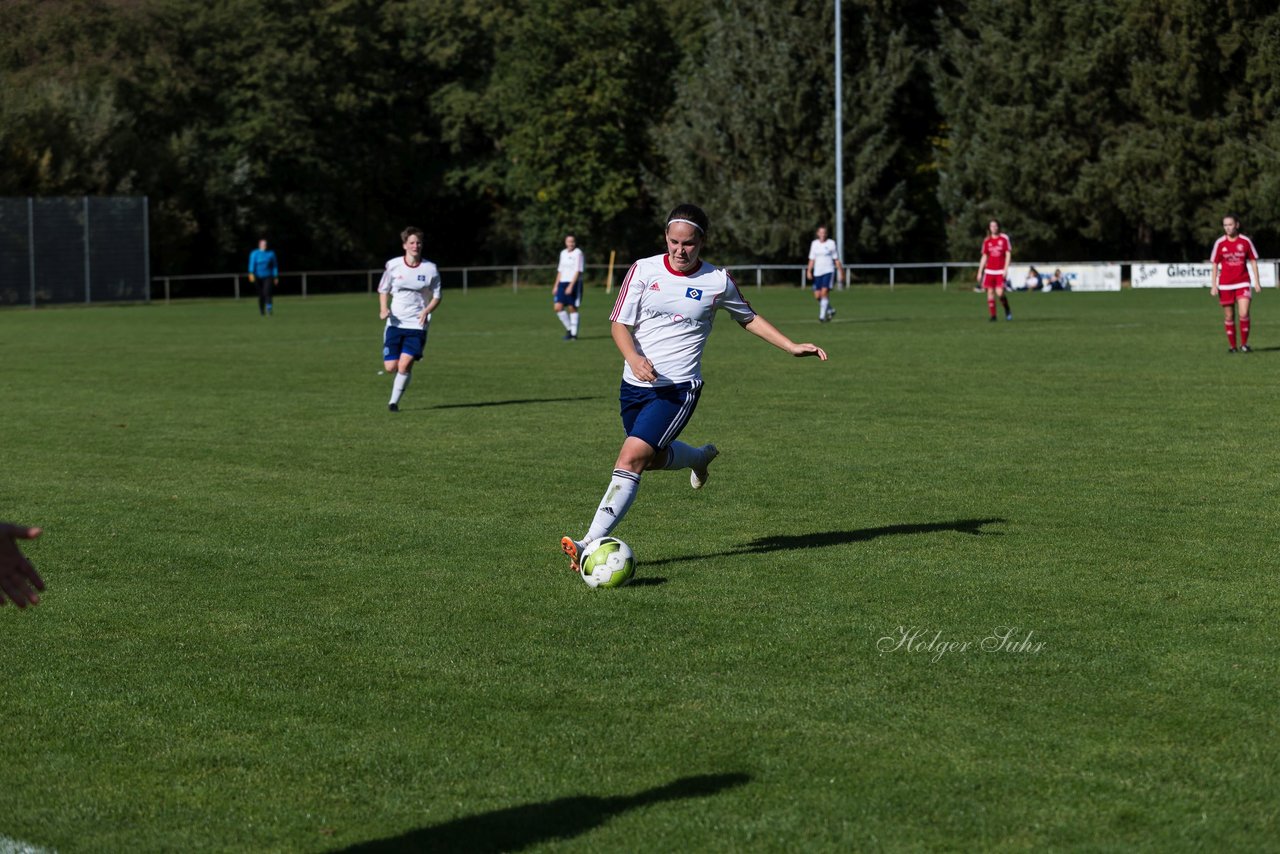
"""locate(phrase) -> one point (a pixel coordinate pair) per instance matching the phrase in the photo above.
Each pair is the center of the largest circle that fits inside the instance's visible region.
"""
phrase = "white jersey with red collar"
(670, 315)
(411, 288)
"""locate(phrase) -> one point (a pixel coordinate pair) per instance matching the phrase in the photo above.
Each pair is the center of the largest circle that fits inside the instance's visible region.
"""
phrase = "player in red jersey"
(1231, 285)
(993, 267)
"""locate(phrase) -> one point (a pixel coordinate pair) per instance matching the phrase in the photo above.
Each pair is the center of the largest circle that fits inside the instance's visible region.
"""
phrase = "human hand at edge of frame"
(19, 580)
(384, 313)
(801, 350)
(252, 278)
(643, 370)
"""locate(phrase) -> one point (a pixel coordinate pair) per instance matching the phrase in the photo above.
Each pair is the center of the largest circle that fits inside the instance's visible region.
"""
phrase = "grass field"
(281, 618)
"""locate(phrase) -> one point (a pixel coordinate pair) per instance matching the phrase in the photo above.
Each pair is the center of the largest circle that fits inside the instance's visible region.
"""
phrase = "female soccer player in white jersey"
(660, 323)
(824, 263)
(405, 285)
(568, 288)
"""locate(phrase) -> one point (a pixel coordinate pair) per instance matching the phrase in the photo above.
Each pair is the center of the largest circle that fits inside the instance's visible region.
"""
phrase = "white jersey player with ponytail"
(660, 324)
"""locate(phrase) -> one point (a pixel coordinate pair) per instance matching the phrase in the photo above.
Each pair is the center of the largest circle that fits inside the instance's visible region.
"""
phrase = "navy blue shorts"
(823, 281)
(574, 299)
(657, 415)
(399, 341)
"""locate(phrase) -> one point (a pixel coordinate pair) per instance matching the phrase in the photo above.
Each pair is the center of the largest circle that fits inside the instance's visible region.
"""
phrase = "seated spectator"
(1057, 282)
(1032, 282)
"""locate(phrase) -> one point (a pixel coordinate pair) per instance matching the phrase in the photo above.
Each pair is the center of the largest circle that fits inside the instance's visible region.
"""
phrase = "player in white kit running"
(660, 323)
(407, 294)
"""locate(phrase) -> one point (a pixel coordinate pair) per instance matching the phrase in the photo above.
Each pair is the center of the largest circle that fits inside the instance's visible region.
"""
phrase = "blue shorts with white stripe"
(657, 415)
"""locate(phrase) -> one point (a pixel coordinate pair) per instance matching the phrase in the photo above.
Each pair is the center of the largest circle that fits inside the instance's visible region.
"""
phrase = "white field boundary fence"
(1080, 277)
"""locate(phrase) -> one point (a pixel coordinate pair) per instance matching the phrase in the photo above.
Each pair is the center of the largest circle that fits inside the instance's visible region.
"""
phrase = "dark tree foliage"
(751, 134)
(1102, 129)
(1092, 128)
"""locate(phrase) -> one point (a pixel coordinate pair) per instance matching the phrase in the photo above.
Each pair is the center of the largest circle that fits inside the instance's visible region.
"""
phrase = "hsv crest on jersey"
(693, 293)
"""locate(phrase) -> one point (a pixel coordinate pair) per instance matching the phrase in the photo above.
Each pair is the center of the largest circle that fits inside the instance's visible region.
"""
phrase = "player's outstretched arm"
(19, 580)
(765, 330)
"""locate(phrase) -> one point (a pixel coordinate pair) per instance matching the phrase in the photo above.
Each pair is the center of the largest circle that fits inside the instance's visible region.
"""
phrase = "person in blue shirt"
(263, 271)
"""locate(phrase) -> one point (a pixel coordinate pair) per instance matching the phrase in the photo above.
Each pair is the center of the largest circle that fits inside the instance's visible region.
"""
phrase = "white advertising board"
(1160, 275)
(1080, 277)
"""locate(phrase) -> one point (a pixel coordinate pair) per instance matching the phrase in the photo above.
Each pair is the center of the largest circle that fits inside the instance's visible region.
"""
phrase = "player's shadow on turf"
(517, 828)
(513, 402)
(789, 542)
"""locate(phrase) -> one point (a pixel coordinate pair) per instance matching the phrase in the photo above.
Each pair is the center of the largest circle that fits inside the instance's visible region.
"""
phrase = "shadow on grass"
(647, 582)
(788, 542)
(517, 828)
(513, 402)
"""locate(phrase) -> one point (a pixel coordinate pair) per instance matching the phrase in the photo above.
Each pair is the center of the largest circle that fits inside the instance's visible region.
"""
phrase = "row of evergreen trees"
(1090, 128)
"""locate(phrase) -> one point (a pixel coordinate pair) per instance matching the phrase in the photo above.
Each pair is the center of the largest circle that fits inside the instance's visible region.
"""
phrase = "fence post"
(515, 287)
(759, 271)
(304, 285)
(31, 247)
(237, 286)
(368, 281)
(166, 290)
(87, 296)
(146, 243)
(944, 277)
(891, 272)
(464, 280)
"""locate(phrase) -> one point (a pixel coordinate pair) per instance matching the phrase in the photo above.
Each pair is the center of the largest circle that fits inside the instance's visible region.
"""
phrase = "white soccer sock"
(564, 318)
(683, 456)
(573, 324)
(617, 500)
(823, 305)
(398, 387)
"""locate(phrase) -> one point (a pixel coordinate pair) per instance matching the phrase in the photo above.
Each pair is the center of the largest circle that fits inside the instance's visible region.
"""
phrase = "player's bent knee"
(636, 455)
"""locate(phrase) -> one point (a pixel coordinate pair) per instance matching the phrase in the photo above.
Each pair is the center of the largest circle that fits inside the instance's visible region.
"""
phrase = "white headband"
(689, 221)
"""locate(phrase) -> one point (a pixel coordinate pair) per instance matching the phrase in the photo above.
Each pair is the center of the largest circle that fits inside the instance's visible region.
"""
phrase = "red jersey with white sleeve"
(997, 250)
(1233, 255)
(670, 315)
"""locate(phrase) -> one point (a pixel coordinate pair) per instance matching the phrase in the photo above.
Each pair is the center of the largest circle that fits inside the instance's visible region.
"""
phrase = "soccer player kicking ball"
(660, 323)
(993, 267)
(1231, 285)
(405, 284)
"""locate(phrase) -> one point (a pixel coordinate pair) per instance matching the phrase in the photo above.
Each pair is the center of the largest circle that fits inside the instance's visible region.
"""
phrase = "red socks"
(1244, 331)
(1231, 333)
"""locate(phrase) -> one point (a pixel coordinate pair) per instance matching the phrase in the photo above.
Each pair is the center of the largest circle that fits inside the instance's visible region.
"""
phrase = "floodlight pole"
(839, 151)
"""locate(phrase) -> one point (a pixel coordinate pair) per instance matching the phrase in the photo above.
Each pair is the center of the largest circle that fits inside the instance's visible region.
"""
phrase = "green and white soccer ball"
(608, 562)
